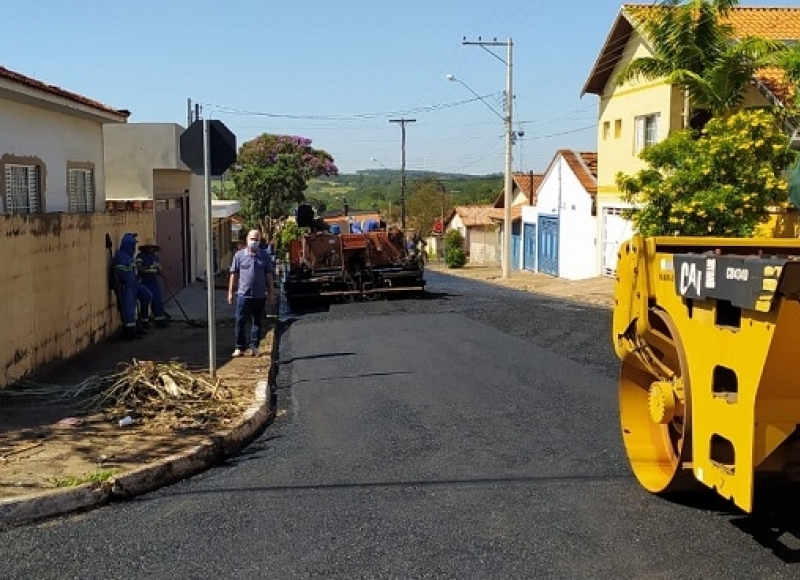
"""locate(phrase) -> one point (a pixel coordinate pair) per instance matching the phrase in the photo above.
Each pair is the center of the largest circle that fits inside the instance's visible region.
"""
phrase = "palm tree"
(695, 49)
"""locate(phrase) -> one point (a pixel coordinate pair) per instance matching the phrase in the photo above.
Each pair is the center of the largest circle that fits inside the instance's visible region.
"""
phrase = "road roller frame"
(708, 332)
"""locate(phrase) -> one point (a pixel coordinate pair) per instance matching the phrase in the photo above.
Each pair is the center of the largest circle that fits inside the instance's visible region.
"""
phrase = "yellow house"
(637, 114)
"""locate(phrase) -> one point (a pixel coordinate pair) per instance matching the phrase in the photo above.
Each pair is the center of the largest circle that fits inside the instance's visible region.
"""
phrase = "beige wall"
(55, 285)
(143, 162)
(171, 181)
(134, 151)
(56, 139)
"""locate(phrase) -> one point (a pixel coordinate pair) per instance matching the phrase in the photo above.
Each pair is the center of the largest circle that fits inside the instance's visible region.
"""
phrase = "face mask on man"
(252, 244)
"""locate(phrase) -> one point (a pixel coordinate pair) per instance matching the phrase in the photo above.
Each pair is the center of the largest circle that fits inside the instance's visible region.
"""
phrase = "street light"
(453, 79)
(388, 186)
(379, 162)
(508, 119)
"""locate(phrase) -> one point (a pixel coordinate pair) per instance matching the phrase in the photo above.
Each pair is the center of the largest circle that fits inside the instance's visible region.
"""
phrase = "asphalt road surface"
(472, 434)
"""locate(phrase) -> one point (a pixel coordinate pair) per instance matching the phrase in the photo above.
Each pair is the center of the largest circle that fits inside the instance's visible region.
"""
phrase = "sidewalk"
(56, 458)
(597, 291)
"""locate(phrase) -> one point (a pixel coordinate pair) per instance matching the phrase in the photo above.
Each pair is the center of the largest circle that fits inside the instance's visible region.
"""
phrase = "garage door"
(615, 230)
(548, 245)
(529, 255)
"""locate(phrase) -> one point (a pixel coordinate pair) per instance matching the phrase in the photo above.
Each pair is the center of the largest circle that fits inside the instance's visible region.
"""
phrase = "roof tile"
(59, 92)
(774, 23)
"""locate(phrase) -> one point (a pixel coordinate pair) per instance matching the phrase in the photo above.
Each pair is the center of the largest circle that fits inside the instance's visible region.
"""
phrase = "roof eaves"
(610, 54)
(30, 83)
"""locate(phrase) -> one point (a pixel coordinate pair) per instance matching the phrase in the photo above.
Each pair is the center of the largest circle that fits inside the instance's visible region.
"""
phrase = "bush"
(720, 184)
(455, 257)
(453, 238)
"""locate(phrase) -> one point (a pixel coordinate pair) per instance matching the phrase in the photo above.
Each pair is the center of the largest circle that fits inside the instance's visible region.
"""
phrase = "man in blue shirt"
(251, 281)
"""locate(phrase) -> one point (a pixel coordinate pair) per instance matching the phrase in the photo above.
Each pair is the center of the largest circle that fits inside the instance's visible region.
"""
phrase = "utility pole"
(403, 122)
(508, 119)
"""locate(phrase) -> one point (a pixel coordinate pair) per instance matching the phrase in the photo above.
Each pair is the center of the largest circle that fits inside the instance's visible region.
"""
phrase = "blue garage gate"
(529, 255)
(516, 243)
(548, 244)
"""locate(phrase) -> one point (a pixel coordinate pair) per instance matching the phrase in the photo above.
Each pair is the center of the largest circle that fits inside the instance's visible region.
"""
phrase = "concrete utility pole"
(403, 171)
(509, 177)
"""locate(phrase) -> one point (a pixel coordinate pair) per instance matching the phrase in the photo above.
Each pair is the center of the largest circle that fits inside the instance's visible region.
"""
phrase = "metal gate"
(548, 245)
(615, 230)
(170, 236)
(516, 243)
(529, 255)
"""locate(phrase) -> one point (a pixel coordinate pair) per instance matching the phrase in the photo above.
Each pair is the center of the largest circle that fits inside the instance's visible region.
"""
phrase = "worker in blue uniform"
(129, 289)
(148, 266)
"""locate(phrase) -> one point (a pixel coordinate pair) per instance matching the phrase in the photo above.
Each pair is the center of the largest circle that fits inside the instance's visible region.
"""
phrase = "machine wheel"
(655, 411)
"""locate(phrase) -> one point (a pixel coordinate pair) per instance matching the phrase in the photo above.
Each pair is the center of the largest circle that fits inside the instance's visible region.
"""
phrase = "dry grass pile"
(147, 390)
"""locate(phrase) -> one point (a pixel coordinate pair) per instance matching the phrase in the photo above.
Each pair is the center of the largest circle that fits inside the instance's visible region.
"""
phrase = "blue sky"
(334, 71)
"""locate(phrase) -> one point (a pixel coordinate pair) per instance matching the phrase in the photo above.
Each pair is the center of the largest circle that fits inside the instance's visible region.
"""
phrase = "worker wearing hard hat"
(148, 265)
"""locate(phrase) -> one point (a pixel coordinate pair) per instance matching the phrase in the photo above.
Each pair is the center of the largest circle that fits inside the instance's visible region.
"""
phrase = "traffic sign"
(222, 147)
(437, 226)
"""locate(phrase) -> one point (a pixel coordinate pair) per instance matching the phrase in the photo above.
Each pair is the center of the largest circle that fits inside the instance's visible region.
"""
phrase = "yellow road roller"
(708, 333)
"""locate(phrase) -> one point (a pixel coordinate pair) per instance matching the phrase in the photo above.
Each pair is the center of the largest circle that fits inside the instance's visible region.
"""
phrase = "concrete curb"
(25, 510)
(211, 451)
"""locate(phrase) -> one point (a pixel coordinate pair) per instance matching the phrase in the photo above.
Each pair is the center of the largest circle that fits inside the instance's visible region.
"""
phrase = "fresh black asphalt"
(470, 434)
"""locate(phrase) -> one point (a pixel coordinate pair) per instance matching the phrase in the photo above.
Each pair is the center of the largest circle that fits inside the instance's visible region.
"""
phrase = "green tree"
(790, 65)
(427, 201)
(271, 175)
(718, 185)
(694, 48)
(290, 231)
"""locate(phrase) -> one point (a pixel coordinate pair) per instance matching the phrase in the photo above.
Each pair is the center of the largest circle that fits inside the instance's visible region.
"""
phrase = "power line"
(228, 110)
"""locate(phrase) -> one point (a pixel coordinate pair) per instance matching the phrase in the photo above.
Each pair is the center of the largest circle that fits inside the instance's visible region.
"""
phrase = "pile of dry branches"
(145, 389)
(143, 385)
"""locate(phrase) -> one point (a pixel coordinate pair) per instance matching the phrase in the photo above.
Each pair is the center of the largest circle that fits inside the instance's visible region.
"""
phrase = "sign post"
(208, 148)
(210, 278)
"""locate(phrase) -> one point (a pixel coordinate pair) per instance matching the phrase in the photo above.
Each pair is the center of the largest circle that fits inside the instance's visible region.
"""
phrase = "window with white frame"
(646, 129)
(81, 190)
(23, 193)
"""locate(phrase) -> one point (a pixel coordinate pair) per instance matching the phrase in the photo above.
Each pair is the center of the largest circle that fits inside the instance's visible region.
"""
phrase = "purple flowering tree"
(271, 175)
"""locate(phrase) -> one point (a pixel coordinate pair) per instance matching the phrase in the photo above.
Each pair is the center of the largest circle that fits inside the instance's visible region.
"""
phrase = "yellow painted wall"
(619, 106)
(56, 300)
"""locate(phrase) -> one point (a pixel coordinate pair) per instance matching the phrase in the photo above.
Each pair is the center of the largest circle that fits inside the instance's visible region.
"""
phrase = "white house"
(55, 261)
(560, 231)
(51, 147)
(480, 232)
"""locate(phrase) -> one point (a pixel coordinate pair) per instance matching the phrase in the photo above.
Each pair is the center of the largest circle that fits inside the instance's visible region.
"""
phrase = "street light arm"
(379, 162)
(453, 79)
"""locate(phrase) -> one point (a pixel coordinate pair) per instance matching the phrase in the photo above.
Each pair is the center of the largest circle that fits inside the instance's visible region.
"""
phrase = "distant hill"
(418, 174)
(380, 188)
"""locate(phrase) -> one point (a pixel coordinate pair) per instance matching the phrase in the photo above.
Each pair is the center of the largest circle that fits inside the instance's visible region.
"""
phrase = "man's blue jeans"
(249, 310)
